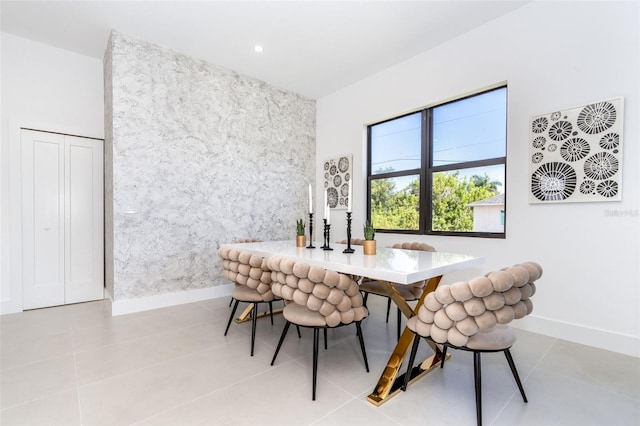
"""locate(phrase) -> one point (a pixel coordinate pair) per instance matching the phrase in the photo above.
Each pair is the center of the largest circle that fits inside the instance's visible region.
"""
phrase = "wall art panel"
(576, 154)
(337, 174)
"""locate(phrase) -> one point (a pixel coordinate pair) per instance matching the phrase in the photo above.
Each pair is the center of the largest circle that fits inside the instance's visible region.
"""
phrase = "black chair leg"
(388, 308)
(444, 355)
(399, 322)
(478, 382)
(271, 311)
(412, 358)
(284, 333)
(233, 312)
(365, 295)
(231, 301)
(364, 352)
(325, 338)
(254, 323)
(512, 365)
(299, 335)
(315, 361)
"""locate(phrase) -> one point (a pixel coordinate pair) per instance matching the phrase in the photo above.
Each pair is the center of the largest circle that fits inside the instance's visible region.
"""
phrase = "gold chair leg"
(391, 382)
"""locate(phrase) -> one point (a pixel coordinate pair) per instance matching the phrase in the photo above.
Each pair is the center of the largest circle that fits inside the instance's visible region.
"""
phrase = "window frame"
(427, 171)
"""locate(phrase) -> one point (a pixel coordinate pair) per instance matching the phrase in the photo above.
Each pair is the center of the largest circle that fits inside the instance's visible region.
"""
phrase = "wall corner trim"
(611, 341)
(128, 306)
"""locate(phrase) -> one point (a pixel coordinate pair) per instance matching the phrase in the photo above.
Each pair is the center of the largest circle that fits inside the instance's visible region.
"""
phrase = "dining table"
(390, 267)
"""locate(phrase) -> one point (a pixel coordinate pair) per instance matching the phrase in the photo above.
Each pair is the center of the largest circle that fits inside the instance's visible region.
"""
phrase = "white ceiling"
(310, 47)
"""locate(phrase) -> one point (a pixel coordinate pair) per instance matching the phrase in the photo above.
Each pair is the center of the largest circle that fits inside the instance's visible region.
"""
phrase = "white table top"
(394, 265)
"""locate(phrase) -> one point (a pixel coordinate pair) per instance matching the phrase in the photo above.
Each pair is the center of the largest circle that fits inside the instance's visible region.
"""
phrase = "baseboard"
(611, 341)
(129, 306)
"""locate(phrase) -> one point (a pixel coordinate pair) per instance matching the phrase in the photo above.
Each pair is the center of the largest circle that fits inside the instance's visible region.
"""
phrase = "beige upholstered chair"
(240, 241)
(473, 316)
(409, 292)
(318, 299)
(252, 282)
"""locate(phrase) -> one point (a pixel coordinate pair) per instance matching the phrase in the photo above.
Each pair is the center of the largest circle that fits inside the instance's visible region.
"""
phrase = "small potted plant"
(301, 239)
(369, 235)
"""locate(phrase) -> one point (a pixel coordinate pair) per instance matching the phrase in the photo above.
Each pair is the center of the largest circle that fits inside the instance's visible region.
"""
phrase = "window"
(441, 170)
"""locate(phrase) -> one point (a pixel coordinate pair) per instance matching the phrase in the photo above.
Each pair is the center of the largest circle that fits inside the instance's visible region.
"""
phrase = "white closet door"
(42, 219)
(83, 238)
(62, 208)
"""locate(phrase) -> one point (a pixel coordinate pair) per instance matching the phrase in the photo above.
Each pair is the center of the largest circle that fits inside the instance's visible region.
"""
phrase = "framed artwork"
(576, 154)
(337, 174)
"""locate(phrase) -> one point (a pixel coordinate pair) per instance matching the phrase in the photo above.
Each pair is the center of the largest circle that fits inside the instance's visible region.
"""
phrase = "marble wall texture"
(200, 155)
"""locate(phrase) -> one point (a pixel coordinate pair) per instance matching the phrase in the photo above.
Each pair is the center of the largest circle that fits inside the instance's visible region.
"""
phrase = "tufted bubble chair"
(243, 240)
(252, 282)
(473, 316)
(410, 292)
(318, 299)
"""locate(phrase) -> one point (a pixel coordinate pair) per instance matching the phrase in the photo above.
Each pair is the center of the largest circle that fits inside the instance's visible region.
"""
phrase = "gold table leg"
(390, 382)
(246, 314)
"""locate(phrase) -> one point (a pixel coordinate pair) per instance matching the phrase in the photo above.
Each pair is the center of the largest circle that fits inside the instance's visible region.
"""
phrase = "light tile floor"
(76, 365)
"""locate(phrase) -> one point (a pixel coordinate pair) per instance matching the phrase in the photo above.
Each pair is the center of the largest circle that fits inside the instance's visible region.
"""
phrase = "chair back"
(354, 242)
(457, 313)
(247, 269)
(330, 294)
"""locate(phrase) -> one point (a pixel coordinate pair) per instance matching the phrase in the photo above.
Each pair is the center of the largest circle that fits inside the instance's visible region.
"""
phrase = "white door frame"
(11, 301)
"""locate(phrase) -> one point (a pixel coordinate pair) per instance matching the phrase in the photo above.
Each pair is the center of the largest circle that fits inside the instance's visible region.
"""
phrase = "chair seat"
(376, 288)
(246, 294)
(500, 338)
(301, 315)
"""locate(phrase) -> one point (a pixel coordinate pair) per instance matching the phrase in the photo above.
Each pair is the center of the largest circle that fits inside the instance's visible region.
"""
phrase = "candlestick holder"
(324, 234)
(348, 249)
(311, 246)
(327, 236)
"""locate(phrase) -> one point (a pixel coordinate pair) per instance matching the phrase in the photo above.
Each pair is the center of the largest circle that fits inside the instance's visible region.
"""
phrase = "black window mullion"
(425, 181)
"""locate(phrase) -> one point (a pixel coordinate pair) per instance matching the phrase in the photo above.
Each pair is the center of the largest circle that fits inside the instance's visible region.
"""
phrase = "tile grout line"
(75, 368)
(524, 379)
(203, 396)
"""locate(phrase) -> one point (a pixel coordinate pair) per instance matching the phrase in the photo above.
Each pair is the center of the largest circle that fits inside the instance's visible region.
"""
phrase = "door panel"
(84, 220)
(62, 193)
(43, 219)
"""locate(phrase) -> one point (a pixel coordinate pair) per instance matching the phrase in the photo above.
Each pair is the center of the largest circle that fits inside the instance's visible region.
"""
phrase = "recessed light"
(257, 48)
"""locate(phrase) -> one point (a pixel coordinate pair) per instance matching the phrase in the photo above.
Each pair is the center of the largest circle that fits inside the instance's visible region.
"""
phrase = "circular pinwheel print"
(537, 157)
(332, 197)
(610, 141)
(344, 190)
(608, 188)
(539, 125)
(560, 131)
(574, 149)
(539, 142)
(343, 164)
(596, 118)
(601, 166)
(553, 182)
(587, 187)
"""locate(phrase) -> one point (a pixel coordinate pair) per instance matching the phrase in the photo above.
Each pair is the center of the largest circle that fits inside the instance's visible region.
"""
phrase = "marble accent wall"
(108, 170)
(201, 155)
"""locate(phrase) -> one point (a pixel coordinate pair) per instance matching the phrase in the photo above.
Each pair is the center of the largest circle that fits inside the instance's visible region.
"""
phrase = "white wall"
(48, 89)
(553, 55)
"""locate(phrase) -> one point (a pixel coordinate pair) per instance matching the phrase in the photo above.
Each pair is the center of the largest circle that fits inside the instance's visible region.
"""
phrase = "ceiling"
(310, 47)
